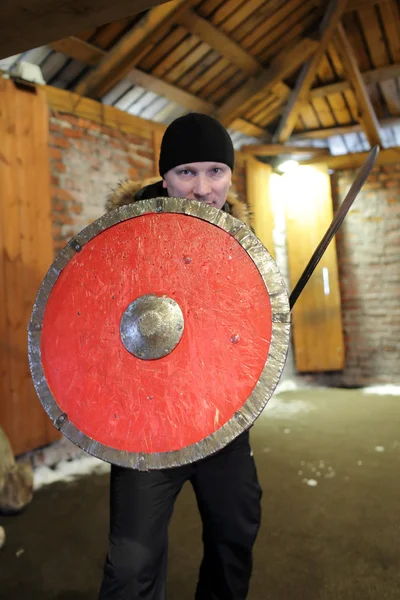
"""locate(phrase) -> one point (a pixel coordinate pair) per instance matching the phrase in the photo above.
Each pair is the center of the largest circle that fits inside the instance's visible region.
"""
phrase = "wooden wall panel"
(26, 252)
(258, 198)
(317, 320)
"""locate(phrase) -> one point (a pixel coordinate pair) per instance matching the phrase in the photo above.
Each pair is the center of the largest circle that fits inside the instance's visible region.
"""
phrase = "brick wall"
(368, 247)
(87, 162)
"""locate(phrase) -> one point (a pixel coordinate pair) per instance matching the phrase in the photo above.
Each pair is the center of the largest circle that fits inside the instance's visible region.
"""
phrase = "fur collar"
(130, 191)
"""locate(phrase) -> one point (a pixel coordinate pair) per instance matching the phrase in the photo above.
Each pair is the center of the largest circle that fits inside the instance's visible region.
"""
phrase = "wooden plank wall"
(317, 321)
(26, 252)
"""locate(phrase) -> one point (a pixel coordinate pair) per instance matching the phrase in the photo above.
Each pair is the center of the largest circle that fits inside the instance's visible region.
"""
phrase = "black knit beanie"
(195, 138)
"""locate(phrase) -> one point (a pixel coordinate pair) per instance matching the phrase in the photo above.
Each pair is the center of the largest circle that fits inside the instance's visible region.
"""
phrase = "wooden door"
(317, 331)
(26, 252)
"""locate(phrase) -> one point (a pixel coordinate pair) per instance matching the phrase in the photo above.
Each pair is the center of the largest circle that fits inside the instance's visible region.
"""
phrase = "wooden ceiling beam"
(328, 26)
(355, 160)
(190, 101)
(281, 149)
(368, 117)
(286, 63)
(369, 77)
(219, 41)
(227, 48)
(128, 51)
(89, 54)
(78, 49)
(322, 134)
(27, 24)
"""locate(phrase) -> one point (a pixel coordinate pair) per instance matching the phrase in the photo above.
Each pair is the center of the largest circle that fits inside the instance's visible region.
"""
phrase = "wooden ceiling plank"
(379, 53)
(274, 18)
(156, 55)
(390, 14)
(173, 58)
(127, 52)
(369, 77)
(288, 38)
(324, 112)
(266, 113)
(200, 85)
(189, 78)
(367, 116)
(309, 117)
(224, 91)
(244, 19)
(224, 77)
(349, 97)
(268, 103)
(285, 63)
(225, 10)
(219, 41)
(249, 128)
(282, 29)
(328, 25)
(187, 62)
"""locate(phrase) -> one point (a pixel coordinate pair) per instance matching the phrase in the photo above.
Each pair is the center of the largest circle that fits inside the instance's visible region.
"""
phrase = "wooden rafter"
(227, 48)
(356, 159)
(281, 149)
(89, 54)
(129, 50)
(26, 24)
(320, 134)
(369, 77)
(78, 49)
(220, 42)
(284, 65)
(368, 117)
(307, 74)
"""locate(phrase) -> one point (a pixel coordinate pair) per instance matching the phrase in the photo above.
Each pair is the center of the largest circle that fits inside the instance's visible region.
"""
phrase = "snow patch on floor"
(68, 470)
(383, 390)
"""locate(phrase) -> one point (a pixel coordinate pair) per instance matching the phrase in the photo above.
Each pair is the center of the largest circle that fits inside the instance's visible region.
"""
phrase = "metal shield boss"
(159, 334)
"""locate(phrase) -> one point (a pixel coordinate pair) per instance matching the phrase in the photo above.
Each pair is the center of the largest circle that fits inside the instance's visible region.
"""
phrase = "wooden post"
(257, 192)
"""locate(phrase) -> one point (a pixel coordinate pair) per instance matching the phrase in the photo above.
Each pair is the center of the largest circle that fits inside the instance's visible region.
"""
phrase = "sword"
(352, 194)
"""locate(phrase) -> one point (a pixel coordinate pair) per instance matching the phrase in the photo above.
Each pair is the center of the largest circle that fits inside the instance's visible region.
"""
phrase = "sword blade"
(352, 194)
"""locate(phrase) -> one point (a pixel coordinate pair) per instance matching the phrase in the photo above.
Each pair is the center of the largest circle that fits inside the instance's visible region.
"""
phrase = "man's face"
(208, 182)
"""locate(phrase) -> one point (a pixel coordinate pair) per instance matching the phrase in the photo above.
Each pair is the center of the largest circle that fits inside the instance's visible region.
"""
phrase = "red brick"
(55, 153)
(58, 167)
(73, 133)
(392, 183)
(76, 209)
(68, 118)
(55, 127)
(59, 142)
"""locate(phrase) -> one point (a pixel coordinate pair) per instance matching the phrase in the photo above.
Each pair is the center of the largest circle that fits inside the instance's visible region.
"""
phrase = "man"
(196, 162)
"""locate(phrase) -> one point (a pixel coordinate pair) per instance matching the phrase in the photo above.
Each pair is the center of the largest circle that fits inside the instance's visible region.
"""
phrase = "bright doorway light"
(288, 166)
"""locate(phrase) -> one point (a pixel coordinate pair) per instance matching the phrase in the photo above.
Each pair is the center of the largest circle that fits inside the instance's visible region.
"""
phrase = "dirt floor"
(328, 462)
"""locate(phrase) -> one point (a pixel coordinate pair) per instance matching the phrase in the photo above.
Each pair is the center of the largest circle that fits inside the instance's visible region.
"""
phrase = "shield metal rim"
(244, 418)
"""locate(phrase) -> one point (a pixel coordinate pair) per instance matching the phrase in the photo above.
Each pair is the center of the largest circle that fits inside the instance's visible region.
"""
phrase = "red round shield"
(159, 333)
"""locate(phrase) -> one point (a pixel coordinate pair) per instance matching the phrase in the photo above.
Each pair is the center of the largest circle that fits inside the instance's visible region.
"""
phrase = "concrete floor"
(328, 461)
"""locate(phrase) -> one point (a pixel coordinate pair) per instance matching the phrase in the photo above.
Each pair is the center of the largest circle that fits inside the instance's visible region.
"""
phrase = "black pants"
(228, 496)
